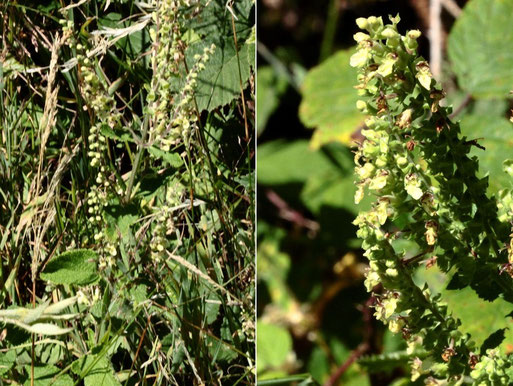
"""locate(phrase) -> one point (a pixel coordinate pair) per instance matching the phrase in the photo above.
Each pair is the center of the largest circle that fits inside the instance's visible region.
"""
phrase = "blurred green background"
(313, 313)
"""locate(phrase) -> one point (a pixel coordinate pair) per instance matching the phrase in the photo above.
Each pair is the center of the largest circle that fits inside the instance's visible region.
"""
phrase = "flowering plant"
(427, 193)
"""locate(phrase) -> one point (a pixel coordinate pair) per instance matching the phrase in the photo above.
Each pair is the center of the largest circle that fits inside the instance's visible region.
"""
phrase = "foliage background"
(311, 296)
(171, 300)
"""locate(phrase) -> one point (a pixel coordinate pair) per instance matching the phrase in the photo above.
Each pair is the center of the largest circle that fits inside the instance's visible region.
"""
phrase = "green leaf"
(172, 158)
(7, 360)
(326, 174)
(120, 218)
(72, 267)
(329, 100)
(296, 379)
(45, 376)
(10, 64)
(270, 88)
(45, 329)
(495, 133)
(214, 23)
(219, 351)
(110, 133)
(95, 370)
(283, 162)
(481, 48)
(273, 268)
(273, 345)
(219, 82)
(50, 354)
(465, 304)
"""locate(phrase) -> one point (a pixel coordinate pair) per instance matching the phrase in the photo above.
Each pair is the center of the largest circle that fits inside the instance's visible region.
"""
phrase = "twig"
(138, 348)
(462, 105)
(289, 214)
(435, 37)
(362, 348)
(277, 65)
(452, 7)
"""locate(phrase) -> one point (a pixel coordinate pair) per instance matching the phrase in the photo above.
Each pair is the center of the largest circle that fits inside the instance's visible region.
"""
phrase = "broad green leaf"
(122, 137)
(465, 305)
(119, 219)
(326, 174)
(95, 370)
(273, 268)
(270, 88)
(273, 345)
(330, 188)
(72, 267)
(172, 158)
(481, 48)
(495, 133)
(7, 360)
(214, 23)
(219, 82)
(329, 100)
(282, 162)
(47, 376)
(50, 354)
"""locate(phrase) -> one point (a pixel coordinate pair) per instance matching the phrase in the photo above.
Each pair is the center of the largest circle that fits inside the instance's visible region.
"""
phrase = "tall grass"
(167, 223)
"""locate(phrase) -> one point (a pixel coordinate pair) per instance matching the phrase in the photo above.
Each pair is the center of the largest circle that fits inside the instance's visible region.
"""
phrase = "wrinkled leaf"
(95, 370)
(219, 82)
(481, 48)
(329, 101)
(72, 267)
(46, 376)
(465, 304)
(495, 133)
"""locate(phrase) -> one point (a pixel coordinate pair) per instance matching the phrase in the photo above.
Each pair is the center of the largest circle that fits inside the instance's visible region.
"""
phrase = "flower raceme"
(414, 161)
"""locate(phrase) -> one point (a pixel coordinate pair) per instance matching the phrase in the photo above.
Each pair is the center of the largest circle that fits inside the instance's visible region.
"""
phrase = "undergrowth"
(126, 192)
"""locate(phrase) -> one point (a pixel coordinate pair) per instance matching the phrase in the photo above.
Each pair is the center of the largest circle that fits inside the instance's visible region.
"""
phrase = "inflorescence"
(427, 192)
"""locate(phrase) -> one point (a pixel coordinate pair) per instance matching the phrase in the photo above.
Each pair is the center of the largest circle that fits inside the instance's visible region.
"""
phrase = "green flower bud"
(396, 325)
(378, 182)
(362, 23)
(372, 279)
(412, 185)
(424, 75)
(361, 105)
(387, 66)
(389, 33)
(361, 37)
(360, 58)
(375, 23)
(366, 171)
(413, 34)
(402, 161)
